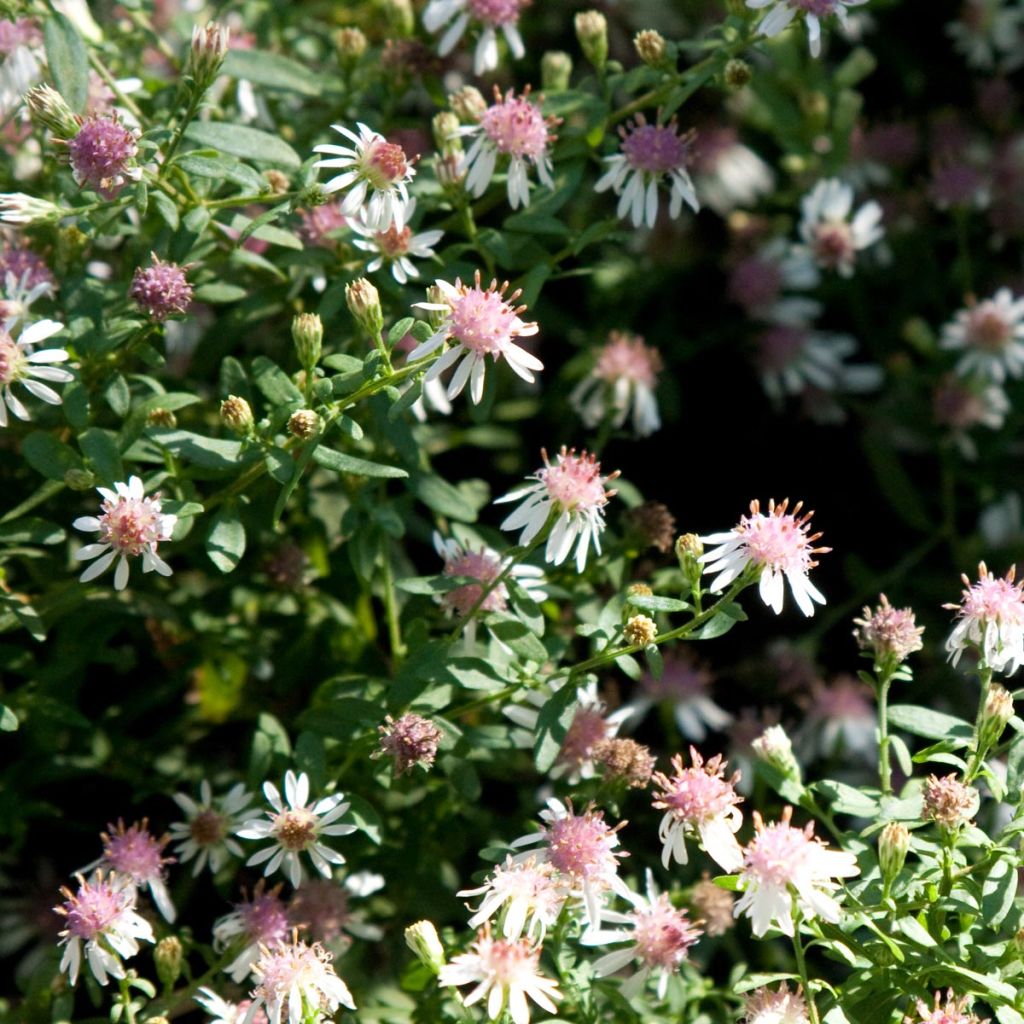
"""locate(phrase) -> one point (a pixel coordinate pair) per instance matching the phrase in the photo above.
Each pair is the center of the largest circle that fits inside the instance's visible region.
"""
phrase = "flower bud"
(79, 480)
(445, 125)
(689, 549)
(995, 715)
(277, 182)
(351, 45)
(890, 634)
(436, 297)
(363, 301)
(640, 631)
(468, 103)
(314, 195)
(623, 760)
(161, 417)
(49, 110)
(948, 802)
(19, 208)
(399, 15)
(738, 73)
(236, 413)
(209, 47)
(308, 335)
(650, 47)
(555, 71)
(774, 747)
(423, 940)
(449, 171)
(304, 424)
(592, 33)
(168, 956)
(893, 844)
(653, 524)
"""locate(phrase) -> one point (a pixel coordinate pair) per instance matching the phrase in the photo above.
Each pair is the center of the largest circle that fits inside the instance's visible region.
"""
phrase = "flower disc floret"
(102, 155)
(990, 618)
(161, 290)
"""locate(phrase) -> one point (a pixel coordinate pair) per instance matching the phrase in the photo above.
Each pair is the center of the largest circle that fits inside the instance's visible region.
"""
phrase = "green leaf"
(1008, 1015)
(242, 141)
(444, 498)
(339, 462)
(225, 543)
(272, 70)
(400, 330)
(223, 168)
(915, 931)
(208, 452)
(167, 209)
(552, 726)
(275, 384)
(998, 893)
(8, 719)
(31, 531)
(48, 456)
(934, 725)
(67, 60)
(718, 625)
(118, 394)
(100, 448)
(1015, 765)
(653, 603)
(363, 816)
(847, 799)
(220, 292)
(515, 634)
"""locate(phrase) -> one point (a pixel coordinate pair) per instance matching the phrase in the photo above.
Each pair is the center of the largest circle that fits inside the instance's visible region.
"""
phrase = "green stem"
(801, 966)
(391, 608)
(126, 1001)
(979, 751)
(122, 97)
(884, 767)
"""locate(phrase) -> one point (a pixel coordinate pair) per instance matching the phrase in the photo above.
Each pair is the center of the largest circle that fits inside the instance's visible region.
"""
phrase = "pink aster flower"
(511, 126)
(889, 634)
(206, 834)
(161, 290)
(952, 1011)
(21, 365)
(296, 826)
(223, 1012)
(527, 896)
(831, 237)
(699, 801)
(322, 910)
(374, 172)
(489, 15)
(650, 153)
(758, 280)
(506, 973)
(28, 268)
(659, 938)
(573, 491)
(479, 323)
(777, 546)
(581, 848)
(103, 155)
(101, 922)
(623, 378)
(814, 11)
(782, 863)
(136, 857)
(990, 618)
(299, 979)
(840, 719)
(394, 246)
(763, 1006)
(21, 61)
(253, 925)
(129, 525)
(409, 741)
(321, 225)
(990, 334)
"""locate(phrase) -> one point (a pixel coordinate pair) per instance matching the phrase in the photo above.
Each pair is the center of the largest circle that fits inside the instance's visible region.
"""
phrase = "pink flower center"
(482, 321)
(626, 358)
(655, 148)
(775, 855)
(385, 164)
(496, 12)
(295, 829)
(778, 542)
(482, 566)
(207, 828)
(695, 796)
(393, 243)
(833, 244)
(135, 853)
(574, 483)
(588, 729)
(264, 919)
(994, 599)
(988, 329)
(131, 525)
(663, 935)
(13, 363)
(321, 907)
(94, 909)
(579, 846)
(819, 8)
(516, 127)
(505, 961)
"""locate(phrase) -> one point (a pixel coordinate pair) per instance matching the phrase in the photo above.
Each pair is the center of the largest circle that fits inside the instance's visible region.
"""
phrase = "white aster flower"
(478, 323)
(784, 11)
(991, 336)
(395, 246)
(573, 491)
(21, 365)
(250, 928)
(650, 153)
(777, 545)
(296, 982)
(782, 864)
(988, 34)
(527, 896)
(990, 618)
(506, 973)
(223, 1012)
(489, 15)
(374, 172)
(831, 239)
(129, 525)
(295, 826)
(728, 174)
(206, 834)
(21, 61)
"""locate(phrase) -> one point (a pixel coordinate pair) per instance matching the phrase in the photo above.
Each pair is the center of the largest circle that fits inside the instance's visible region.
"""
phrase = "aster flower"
(989, 34)
(951, 1011)
(223, 1012)
(21, 60)
(758, 281)
(253, 925)
(784, 11)
(206, 834)
(321, 909)
(320, 225)
(410, 741)
(506, 973)
(581, 848)
(991, 336)
(129, 525)
(728, 174)
(27, 268)
(394, 246)
(840, 719)
(479, 323)
(161, 290)
(699, 800)
(831, 238)
(373, 172)
(20, 365)
(573, 491)
(489, 15)
(526, 895)
(889, 634)
(763, 1006)
(296, 826)
(948, 801)
(650, 153)
(101, 923)
(135, 856)
(511, 126)
(777, 546)
(299, 978)
(103, 155)
(659, 938)
(623, 379)
(782, 863)
(990, 617)
(21, 208)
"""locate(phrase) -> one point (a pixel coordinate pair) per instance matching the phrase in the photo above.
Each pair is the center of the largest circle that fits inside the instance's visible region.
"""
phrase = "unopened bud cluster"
(592, 34)
(304, 424)
(363, 301)
(308, 336)
(640, 631)
(236, 413)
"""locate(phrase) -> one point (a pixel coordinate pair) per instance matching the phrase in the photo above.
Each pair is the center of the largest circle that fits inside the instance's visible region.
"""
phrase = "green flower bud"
(650, 47)
(79, 480)
(468, 103)
(893, 844)
(308, 335)
(592, 34)
(363, 301)
(168, 957)
(48, 109)
(738, 73)
(423, 940)
(351, 44)
(236, 413)
(209, 48)
(304, 424)
(555, 71)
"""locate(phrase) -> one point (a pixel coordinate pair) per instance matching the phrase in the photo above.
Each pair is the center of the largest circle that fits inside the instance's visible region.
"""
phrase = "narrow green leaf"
(67, 60)
(934, 725)
(225, 543)
(342, 463)
(48, 456)
(273, 71)
(242, 141)
(553, 723)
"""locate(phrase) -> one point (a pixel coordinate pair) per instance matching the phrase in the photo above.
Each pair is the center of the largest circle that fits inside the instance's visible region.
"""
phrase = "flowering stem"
(884, 768)
(978, 753)
(391, 607)
(126, 1001)
(801, 965)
